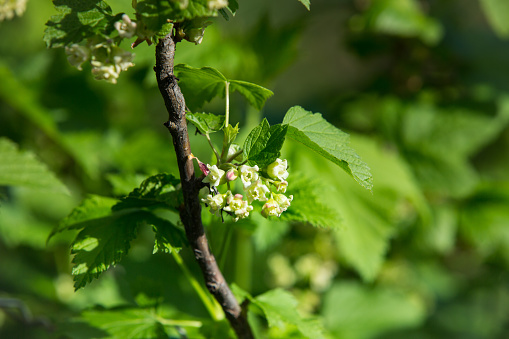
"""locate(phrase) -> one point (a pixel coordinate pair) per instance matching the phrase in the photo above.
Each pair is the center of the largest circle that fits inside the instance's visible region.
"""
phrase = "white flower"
(216, 203)
(217, 4)
(271, 208)
(9, 8)
(122, 58)
(248, 174)
(126, 28)
(105, 72)
(195, 35)
(281, 186)
(257, 191)
(277, 170)
(282, 201)
(215, 175)
(239, 207)
(77, 55)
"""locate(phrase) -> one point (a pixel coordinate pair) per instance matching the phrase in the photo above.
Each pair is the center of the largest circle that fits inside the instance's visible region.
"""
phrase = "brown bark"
(190, 212)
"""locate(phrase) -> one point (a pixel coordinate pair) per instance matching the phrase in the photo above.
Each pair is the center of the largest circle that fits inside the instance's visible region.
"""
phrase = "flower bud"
(231, 174)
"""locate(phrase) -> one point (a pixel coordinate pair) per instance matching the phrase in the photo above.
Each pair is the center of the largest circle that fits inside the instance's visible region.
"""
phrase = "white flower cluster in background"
(11, 8)
(107, 60)
(257, 185)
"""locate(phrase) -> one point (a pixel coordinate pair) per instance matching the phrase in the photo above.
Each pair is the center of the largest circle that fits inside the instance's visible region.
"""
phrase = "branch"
(190, 212)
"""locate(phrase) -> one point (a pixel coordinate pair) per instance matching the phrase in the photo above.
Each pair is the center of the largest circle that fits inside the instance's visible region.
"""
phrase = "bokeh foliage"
(422, 88)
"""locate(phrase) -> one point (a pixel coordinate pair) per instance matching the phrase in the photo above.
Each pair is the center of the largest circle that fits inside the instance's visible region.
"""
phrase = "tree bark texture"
(190, 212)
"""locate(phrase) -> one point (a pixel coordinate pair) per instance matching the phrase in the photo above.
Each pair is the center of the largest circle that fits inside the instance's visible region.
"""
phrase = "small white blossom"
(278, 169)
(195, 35)
(239, 207)
(216, 203)
(217, 4)
(126, 28)
(122, 58)
(281, 186)
(215, 176)
(248, 174)
(77, 55)
(271, 208)
(10, 8)
(282, 201)
(257, 191)
(106, 72)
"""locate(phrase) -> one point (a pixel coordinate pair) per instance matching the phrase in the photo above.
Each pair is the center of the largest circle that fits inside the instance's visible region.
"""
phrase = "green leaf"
(127, 323)
(157, 191)
(206, 123)
(169, 237)
(280, 307)
(307, 204)
(102, 243)
(306, 3)
(354, 311)
(256, 95)
(264, 142)
(330, 142)
(201, 85)
(77, 20)
(22, 168)
(497, 12)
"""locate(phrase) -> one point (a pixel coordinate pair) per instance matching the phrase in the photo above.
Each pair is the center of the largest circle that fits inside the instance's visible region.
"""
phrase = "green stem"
(227, 110)
(213, 148)
(182, 323)
(210, 304)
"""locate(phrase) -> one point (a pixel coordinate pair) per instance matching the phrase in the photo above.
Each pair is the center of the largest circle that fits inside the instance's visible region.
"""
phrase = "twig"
(190, 212)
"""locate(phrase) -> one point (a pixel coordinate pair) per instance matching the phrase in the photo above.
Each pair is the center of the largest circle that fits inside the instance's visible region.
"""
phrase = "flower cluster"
(107, 60)
(10, 8)
(256, 184)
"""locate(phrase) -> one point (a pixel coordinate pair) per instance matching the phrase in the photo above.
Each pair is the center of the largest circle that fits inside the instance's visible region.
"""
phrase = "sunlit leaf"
(497, 12)
(306, 3)
(206, 123)
(22, 168)
(264, 142)
(201, 85)
(330, 142)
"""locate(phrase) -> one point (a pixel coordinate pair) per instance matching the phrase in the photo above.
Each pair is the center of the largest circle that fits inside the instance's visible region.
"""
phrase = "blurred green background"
(421, 86)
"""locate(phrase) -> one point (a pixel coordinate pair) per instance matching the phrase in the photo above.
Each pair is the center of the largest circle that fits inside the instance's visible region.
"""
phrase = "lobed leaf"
(201, 85)
(22, 168)
(264, 142)
(206, 123)
(77, 20)
(157, 191)
(330, 142)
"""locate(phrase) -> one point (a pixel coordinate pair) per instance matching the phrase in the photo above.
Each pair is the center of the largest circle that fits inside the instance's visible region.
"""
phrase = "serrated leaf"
(22, 168)
(330, 142)
(264, 142)
(169, 238)
(306, 3)
(280, 307)
(157, 191)
(230, 133)
(127, 323)
(307, 204)
(77, 20)
(256, 95)
(206, 123)
(497, 12)
(102, 243)
(201, 85)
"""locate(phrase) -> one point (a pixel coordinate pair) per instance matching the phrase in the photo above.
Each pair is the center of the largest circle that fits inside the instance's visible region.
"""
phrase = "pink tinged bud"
(203, 167)
(271, 208)
(231, 175)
